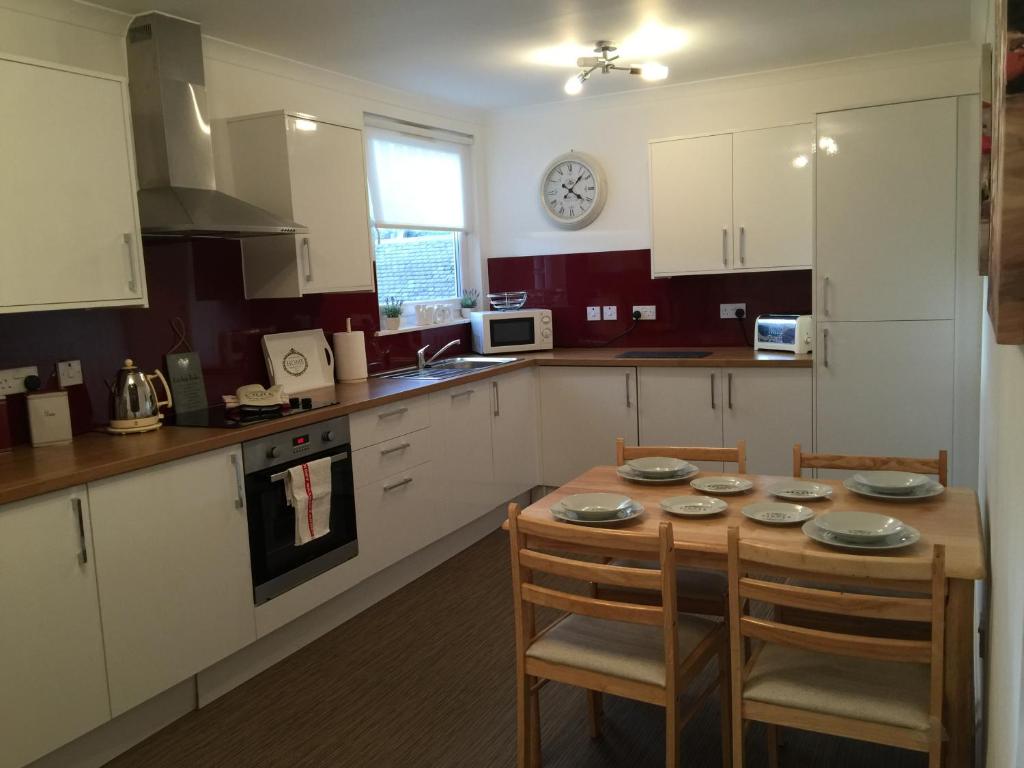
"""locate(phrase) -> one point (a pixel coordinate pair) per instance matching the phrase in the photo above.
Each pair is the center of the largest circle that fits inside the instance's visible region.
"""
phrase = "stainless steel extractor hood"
(173, 142)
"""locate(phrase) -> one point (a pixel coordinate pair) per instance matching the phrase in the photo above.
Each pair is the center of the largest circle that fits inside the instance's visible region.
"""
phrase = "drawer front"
(397, 515)
(376, 462)
(388, 421)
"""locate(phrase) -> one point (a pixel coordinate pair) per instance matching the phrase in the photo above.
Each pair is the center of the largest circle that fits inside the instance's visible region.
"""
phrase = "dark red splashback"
(200, 282)
(687, 307)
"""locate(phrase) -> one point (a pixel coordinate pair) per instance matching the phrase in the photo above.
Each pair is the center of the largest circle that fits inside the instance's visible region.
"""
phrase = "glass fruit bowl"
(507, 300)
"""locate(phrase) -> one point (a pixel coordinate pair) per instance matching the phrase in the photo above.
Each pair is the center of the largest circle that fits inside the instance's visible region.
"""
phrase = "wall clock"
(573, 190)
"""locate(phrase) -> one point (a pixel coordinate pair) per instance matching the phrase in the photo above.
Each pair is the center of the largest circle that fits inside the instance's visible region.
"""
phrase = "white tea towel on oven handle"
(309, 493)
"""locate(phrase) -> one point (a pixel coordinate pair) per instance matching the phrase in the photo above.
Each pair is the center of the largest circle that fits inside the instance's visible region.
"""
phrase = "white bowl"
(897, 483)
(596, 506)
(658, 466)
(854, 525)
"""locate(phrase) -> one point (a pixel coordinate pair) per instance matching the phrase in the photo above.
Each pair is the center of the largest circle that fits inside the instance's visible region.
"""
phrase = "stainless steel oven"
(277, 563)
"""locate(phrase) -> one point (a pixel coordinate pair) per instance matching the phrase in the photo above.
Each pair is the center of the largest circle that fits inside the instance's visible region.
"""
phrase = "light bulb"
(652, 71)
(574, 84)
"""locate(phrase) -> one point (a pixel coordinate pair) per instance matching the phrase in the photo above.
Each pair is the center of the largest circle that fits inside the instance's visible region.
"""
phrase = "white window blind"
(417, 181)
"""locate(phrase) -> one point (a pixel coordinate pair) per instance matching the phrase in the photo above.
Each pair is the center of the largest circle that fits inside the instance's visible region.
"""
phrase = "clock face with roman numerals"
(572, 190)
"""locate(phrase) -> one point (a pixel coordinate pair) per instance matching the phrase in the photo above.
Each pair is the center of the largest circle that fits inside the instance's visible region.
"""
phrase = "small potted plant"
(392, 311)
(469, 300)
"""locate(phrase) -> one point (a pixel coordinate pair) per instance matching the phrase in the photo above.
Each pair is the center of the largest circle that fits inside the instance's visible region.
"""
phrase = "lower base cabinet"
(396, 516)
(583, 409)
(53, 684)
(172, 562)
(682, 406)
(514, 434)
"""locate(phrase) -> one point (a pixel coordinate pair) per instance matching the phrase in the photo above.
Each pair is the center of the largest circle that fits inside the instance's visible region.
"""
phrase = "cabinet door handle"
(133, 285)
(497, 399)
(239, 482)
(464, 393)
(395, 449)
(629, 398)
(824, 338)
(725, 247)
(824, 297)
(713, 406)
(83, 553)
(398, 484)
(307, 260)
(389, 414)
(728, 379)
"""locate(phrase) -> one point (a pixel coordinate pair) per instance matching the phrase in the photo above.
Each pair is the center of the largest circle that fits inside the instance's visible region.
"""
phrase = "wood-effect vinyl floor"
(425, 679)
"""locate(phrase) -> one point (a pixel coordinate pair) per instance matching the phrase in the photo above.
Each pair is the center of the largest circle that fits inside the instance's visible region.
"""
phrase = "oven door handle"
(278, 476)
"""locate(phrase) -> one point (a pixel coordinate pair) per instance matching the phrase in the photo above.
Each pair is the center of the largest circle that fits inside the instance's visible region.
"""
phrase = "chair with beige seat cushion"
(857, 685)
(699, 591)
(649, 653)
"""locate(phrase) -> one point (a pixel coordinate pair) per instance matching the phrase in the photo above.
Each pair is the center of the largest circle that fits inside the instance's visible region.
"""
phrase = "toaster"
(785, 333)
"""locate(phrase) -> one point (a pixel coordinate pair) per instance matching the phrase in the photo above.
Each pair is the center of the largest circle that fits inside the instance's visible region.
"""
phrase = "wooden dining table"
(952, 518)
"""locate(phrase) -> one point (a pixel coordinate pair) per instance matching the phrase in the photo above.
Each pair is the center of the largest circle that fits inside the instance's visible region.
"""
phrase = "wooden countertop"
(26, 472)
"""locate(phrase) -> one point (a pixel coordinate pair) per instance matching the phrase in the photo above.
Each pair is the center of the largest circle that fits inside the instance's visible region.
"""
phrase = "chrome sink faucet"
(421, 362)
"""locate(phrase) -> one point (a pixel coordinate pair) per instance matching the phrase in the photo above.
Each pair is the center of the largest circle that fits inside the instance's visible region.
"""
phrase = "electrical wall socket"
(647, 312)
(593, 313)
(12, 380)
(728, 311)
(69, 373)
(611, 312)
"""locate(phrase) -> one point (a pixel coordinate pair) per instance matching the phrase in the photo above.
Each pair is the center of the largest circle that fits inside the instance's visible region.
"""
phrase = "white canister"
(49, 418)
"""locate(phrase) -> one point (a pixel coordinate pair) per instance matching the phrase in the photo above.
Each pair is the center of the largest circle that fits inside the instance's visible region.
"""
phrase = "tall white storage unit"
(886, 231)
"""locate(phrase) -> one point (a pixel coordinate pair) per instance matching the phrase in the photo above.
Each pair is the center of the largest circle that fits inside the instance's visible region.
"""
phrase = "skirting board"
(103, 744)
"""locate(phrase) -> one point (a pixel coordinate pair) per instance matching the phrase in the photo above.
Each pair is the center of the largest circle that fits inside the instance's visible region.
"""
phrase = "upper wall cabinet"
(733, 201)
(68, 210)
(886, 212)
(312, 172)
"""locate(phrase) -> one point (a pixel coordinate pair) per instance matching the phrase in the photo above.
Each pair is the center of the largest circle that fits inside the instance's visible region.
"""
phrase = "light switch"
(69, 372)
(611, 312)
(593, 313)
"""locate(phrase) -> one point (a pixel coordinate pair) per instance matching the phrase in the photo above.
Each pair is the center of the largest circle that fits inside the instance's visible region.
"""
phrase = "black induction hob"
(221, 416)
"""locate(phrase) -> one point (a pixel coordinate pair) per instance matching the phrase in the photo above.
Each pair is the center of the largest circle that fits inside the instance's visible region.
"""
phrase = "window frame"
(460, 271)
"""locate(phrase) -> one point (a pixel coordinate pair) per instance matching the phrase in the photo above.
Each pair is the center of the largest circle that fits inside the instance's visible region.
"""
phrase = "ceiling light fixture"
(605, 62)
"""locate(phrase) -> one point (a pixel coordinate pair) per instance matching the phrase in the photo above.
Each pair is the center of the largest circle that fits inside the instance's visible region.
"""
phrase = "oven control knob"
(546, 320)
(328, 435)
(546, 333)
(273, 452)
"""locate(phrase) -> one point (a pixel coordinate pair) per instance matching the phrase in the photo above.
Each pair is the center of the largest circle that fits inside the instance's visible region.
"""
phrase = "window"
(420, 200)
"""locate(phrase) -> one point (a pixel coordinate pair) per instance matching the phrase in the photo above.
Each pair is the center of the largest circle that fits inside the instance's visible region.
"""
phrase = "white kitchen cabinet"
(312, 172)
(53, 685)
(771, 409)
(885, 388)
(68, 208)
(514, 433)
(398, 515)
(582, 410)
(460, 422)
(772, 197)
(172, 561)
(886, 212)
(691, 205)
(681, 406)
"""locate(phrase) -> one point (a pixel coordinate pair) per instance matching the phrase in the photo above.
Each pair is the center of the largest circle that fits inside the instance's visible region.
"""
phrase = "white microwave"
(516, 330)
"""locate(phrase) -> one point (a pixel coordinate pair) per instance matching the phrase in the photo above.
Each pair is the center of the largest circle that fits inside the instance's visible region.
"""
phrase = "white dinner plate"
(596, 506)
(659, 466)
(905, 538)
(568, 516)
(722, 485)
(800, 490)
(856, 526)
(892, 483)
(635, 477)
(924, 492)
(693, 506)
(777, 513)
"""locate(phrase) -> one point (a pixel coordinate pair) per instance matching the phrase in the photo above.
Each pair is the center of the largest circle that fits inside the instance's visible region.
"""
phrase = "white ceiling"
(488, 53)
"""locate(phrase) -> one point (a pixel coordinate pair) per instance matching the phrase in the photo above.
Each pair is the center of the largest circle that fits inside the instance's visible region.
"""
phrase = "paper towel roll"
(349, 356)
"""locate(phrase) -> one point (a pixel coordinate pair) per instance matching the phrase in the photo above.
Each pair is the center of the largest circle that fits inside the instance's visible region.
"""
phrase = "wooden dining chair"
(737, 455)
(649, 653)
(855, 685)
(938, 466)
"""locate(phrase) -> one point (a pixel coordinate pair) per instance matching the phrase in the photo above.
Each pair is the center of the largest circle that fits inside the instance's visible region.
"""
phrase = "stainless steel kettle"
(134, 404)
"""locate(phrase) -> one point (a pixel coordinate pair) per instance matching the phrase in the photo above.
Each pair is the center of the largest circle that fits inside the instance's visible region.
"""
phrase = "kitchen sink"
(450, 368)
